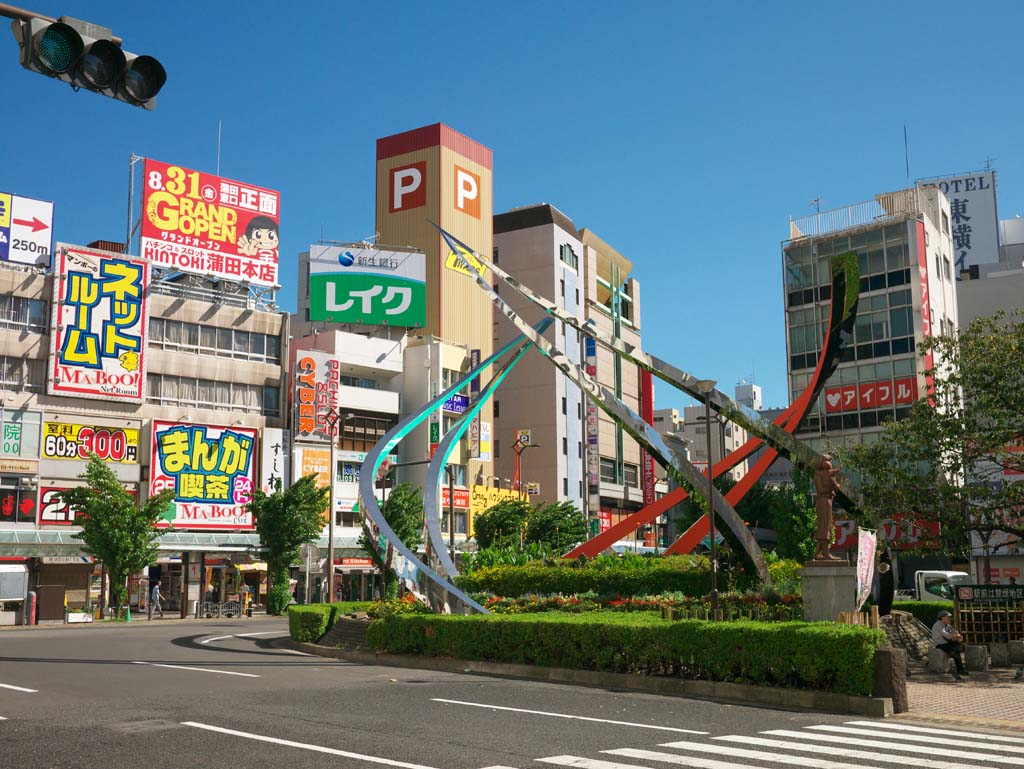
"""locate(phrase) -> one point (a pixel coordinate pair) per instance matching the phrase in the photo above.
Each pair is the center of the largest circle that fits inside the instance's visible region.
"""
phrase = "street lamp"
(336, 421)
(519, 447)
(707, 386)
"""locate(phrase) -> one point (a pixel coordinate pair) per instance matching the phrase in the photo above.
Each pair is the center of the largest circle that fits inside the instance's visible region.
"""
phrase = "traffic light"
(88, 56)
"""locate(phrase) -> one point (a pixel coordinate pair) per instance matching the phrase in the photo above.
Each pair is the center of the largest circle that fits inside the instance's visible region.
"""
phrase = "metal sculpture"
(417, 576)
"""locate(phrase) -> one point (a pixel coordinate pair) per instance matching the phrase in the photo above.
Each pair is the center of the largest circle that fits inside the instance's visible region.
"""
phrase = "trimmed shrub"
(605, 577)
(817, 656)
(308, 623)
(926, 611)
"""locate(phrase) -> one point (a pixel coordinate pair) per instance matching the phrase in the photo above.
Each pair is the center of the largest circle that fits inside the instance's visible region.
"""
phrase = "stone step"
(348, 633)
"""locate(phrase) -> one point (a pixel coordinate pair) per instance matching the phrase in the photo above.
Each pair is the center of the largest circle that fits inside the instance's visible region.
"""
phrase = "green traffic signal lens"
(102, 64)
(144, 78)
(59, 47)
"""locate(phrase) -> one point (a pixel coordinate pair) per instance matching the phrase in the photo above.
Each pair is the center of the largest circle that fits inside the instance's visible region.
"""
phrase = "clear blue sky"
(684, 134)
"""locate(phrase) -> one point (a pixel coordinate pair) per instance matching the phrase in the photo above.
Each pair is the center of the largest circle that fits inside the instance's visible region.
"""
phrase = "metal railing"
(889, 206)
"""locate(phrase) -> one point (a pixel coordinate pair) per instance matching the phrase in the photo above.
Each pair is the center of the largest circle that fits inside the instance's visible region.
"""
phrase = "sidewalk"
(984, 698)
(140, 620)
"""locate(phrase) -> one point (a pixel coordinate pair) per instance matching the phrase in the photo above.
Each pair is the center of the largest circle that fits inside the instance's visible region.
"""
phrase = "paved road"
(217, 694)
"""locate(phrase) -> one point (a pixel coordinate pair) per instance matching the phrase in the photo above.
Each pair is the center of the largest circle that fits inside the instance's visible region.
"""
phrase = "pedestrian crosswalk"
(852, 745)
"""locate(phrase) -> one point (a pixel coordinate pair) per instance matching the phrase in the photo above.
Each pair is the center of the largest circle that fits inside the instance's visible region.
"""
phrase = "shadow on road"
(261, 648)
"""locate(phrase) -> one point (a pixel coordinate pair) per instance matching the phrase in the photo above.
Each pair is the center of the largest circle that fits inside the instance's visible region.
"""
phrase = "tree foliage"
(403, 510)
(115, 528)
(556, 525)
(951, 461)
(502, 524)
(286, 520)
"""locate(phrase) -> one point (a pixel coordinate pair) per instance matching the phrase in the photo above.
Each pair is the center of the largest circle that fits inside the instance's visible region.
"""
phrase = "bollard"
(890, 677)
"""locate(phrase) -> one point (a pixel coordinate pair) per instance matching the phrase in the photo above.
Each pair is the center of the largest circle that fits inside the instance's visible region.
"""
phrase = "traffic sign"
(26, 230)
(523, 436)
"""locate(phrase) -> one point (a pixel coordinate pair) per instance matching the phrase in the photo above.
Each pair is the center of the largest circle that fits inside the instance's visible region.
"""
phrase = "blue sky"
(684, 134)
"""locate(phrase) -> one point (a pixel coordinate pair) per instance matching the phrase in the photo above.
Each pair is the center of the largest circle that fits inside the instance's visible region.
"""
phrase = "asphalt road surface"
(218, 694)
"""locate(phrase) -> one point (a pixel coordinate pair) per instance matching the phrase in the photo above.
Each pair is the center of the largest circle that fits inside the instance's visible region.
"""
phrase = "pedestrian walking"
(154, 601)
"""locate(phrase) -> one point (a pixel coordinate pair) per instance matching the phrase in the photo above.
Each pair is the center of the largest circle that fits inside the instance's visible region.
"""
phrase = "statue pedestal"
(828, 590)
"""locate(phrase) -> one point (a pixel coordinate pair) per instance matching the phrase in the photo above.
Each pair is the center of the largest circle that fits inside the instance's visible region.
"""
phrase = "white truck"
(939, 585)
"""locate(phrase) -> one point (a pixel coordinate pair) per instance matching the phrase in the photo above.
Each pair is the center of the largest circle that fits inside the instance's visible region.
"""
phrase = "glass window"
(901, 323)
(190, 334)
(258, 344)
(208, 337)
(608, 470)
(241, 342)
(38, 314)
(224, 340)
(273, 348)
(173, 332)
(632, 476)
(271, 401)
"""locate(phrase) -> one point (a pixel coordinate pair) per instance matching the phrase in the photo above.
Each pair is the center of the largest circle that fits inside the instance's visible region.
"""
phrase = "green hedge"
(309, 622)
(678, 574)
(926, 611)
(816, 656)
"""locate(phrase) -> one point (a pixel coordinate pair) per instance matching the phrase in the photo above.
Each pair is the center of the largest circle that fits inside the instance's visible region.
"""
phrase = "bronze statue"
(826, 487)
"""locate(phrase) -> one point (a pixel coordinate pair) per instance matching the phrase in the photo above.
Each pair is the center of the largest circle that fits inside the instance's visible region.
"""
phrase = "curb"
(718, 691)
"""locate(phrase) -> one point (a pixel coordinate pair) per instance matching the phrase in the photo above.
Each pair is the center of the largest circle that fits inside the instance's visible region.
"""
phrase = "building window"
(567, 255)
(22, 314)
(561, 287)
(947, 269)
(167, 334)
(565, 487)
(579, 449)
(497, 409)
(565, 446)
(167, 390)
(565, 405)
(17, 500)
(632, 476)
(608, 471)
(495, 254)
(945, 223)
(358, 381)
(19, 374)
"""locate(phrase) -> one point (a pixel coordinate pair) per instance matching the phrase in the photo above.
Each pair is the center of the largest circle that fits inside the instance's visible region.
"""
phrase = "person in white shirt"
(154, 601)
(948, 638)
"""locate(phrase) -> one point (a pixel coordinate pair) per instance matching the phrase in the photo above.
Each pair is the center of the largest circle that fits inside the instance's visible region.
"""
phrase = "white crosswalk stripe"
(930, 739)
(711, 763)
(829, 746)
(917, 761)
(729, 750)
(932, 730)
(835, 739)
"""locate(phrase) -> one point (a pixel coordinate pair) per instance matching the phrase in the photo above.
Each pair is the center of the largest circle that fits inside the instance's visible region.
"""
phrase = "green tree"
(557, 525)
(285, 521)
(503, 524)
(115, 528)
(403, 510)
(948, 461)
(794, 518)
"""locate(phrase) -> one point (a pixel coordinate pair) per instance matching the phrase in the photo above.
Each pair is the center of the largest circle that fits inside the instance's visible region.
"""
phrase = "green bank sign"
(367, 285)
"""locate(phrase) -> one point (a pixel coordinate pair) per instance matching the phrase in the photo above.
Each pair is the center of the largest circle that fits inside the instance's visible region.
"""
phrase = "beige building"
(213, 357)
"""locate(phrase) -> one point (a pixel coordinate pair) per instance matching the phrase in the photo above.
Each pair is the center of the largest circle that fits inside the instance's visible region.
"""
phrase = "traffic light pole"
(23, 14)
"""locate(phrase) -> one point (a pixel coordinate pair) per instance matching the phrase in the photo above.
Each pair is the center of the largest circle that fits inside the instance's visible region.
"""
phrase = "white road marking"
(726, 750)
(2, 718)
(585, 763)
(238, 635)
(305, 654)
(499, 767)
(929, 730)
(201, 670)
(804, 747)
(19, 688)
(881, 745)
(306, 746)
(575, 718)
(919, 738)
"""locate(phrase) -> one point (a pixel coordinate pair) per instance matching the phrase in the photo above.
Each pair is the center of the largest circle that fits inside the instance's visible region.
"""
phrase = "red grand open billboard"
(207, 225)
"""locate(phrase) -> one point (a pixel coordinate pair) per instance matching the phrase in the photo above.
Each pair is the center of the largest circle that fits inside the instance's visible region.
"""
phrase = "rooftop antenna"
(816, 204)
(988, 163)
(906, 153)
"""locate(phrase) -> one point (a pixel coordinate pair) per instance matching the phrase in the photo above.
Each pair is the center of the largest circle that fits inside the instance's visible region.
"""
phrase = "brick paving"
(985, 697)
